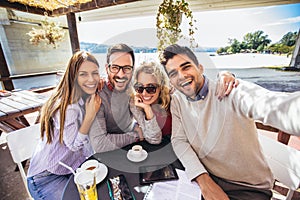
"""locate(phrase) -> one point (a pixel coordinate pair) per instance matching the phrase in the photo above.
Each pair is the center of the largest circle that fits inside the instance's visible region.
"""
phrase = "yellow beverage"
(88, 194)
(86, 185)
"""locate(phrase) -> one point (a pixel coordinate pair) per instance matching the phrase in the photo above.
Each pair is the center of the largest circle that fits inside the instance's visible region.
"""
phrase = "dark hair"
(119, 48)
(174, 50)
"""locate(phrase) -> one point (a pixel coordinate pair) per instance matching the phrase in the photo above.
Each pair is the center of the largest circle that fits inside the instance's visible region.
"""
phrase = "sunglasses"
(151, 89)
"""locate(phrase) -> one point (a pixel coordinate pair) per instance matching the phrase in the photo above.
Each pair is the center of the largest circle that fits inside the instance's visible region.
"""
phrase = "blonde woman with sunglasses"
(150, 101)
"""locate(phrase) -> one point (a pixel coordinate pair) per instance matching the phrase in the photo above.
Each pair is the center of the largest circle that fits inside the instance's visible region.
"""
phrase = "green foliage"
(259, 42)
(223, 50)
(281, 48)
(235, 46)
(286, 45)
(256, 40)
(168, 21)
(289, 39)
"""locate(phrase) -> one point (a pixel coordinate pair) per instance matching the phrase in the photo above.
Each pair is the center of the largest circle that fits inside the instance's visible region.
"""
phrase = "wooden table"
(14, 107)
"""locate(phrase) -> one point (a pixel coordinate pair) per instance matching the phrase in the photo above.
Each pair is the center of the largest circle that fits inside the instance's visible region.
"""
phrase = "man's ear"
(201, 68)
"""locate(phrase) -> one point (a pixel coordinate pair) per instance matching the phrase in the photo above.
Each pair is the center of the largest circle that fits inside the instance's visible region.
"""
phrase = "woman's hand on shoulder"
(100, 84)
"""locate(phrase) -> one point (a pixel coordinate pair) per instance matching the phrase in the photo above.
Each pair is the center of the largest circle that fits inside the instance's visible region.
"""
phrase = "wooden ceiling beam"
(90, 6)
(95, 4)
(22, 7)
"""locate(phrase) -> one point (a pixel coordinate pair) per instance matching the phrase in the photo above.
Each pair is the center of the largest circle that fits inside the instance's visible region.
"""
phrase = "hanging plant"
(50, 33)
(168, 21)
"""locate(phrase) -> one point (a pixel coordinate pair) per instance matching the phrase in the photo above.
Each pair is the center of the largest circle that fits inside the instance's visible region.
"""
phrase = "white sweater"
(220, 137)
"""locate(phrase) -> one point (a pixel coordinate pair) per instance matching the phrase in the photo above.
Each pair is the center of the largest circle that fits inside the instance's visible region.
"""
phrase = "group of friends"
(210, 124)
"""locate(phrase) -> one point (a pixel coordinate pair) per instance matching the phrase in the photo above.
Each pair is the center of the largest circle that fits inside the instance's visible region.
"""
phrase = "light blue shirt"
(202, 93)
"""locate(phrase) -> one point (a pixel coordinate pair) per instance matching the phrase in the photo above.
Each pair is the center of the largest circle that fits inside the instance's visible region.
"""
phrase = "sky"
(214, 27)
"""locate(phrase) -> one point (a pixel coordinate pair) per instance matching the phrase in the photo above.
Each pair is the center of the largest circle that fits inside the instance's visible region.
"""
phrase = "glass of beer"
(86, 185)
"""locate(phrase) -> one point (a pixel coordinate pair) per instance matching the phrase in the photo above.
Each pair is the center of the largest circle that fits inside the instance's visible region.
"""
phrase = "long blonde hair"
(67, 92)
(163, 81)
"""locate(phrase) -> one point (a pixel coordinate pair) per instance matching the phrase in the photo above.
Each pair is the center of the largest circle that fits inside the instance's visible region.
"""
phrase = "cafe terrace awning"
(110, 9)
(95, 10)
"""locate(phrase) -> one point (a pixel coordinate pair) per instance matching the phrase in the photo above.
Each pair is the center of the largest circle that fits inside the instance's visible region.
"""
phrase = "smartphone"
(118, 188)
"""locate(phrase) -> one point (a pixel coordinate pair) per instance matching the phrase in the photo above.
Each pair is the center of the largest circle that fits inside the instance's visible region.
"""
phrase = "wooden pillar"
(4, 72)
(73, 32)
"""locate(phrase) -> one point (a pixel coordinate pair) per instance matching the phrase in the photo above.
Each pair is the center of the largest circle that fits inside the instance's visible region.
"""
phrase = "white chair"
(284, 162)
(21, 144)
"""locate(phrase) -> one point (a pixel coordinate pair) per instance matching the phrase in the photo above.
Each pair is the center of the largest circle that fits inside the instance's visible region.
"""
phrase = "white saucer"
(102, 174)
(139, 159)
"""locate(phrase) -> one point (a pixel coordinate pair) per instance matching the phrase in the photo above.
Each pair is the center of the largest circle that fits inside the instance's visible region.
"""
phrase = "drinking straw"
(66, 166)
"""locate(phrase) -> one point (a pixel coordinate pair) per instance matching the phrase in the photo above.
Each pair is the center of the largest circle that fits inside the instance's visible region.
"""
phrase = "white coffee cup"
(91, 165)
(136, 151)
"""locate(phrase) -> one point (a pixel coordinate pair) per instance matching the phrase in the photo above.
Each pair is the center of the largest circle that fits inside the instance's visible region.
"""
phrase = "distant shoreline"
(233, 61)
(251, 67)
(251, 60)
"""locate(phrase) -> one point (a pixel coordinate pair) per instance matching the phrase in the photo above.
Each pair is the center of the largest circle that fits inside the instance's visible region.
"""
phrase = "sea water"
(248, 67)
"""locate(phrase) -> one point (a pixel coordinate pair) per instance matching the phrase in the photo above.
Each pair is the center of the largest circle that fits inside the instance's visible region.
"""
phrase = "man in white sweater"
(217, 141)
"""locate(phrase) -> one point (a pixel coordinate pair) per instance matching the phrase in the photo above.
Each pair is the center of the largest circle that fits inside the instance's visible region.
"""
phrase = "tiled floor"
(12, 187)
(11, 184)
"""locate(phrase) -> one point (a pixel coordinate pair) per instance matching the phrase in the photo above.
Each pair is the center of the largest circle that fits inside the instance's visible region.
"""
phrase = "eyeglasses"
(127, 69)
(151, 89)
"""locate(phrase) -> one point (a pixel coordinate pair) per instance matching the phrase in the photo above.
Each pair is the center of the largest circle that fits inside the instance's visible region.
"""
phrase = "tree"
(289, 39)
(256, 40)
(235, 46)
(281, 48)
(222, 50)
(286, 44)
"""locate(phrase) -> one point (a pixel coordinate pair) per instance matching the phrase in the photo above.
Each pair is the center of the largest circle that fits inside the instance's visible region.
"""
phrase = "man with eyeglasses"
(114, 126)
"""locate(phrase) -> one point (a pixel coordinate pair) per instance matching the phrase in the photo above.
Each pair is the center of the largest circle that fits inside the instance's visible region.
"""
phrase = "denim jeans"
(47, 186)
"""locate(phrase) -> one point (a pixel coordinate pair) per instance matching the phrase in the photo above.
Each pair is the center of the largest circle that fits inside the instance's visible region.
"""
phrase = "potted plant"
(50, 33)
(168, 21)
